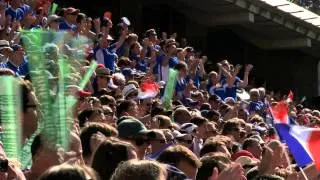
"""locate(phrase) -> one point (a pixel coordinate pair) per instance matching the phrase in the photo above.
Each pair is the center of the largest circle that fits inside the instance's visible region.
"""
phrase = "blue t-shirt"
(230, 91)
(109, 58)
(23, 69)
(14, 14)
(11, 66)
(173, 61)
(25, 8)
(141, 65)
(66, 26)
(181, 85)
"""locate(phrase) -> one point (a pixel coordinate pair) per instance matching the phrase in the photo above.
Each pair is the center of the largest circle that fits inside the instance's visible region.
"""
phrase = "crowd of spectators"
(216, 128)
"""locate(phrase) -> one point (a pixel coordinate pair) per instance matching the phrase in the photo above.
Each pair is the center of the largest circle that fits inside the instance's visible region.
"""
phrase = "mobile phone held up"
(4, 165)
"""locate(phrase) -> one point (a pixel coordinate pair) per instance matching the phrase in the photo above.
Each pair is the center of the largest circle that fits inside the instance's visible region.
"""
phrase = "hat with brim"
(5, 45)
(53, 18)
(70, 10)
(103, 72)
(132, 128)
(247, 161)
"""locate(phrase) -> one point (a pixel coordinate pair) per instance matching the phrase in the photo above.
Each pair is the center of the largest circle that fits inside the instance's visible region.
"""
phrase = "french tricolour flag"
(303, 142)
(148, 89)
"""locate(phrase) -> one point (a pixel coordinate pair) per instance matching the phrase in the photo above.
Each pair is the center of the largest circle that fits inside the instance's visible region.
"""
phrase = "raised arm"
(245, 81)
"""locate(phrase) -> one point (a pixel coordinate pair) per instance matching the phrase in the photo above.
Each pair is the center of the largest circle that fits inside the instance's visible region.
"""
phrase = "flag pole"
(303, 174)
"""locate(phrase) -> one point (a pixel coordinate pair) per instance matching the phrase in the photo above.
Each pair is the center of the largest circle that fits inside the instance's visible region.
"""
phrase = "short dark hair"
(249, 142)
(208, 163)
(124, 106)
(93, 128)
(106, 99)
(181, 65)
(210, 146)
(113, 152)
(65, 172)
(198, 120)
(81, 17)
(175, 154)
(86, 114)
(137, 170)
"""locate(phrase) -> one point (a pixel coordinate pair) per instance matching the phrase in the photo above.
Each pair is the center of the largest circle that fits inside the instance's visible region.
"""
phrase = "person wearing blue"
(152, 38)
(14, 12)
(17, 61)
(69, 20)
(166, 61)
(5, 52)
(213, 86)
(229, 78)
(134, 55)
(105, 53)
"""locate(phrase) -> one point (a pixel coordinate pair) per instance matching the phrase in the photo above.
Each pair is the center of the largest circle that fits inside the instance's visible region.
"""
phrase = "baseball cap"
(129, 128)
(125, 21)
(103, 71)
(245, 161)
(53, 18)
(242, 153)
(77, 91)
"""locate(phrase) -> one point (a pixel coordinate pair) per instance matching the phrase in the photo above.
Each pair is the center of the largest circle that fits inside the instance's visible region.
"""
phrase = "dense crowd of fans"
(215, 128)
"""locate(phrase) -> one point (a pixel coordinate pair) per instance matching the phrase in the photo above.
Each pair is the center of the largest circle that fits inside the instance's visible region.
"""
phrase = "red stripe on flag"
(314, 147)
(280, 113)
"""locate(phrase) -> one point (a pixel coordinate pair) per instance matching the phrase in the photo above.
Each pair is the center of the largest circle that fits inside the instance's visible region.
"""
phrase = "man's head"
(137, 170)
(182, 68)
(103, 76)
(127, 108)
(5, 49)
(104, 40)
(182, 158)
(252, 145)
(232, 129)
(70, 14)
(134, 131)
(162, 122)
(87, 133)
(170, 46)
(181, 115)
(30, 113)
(159, 141)
(254, 95)
(18, 52)
(53, 22)
(202, 124)
(152, 35)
